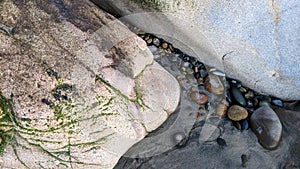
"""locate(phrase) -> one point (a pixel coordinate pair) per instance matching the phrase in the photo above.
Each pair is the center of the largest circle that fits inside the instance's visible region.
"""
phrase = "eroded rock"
(68, 82)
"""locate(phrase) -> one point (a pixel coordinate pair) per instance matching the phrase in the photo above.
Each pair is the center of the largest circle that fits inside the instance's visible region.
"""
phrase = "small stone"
(203, 73)
(243, 90)
(237, 113)
(214, 85)
(221, 110)
(244, 124)
(267, 127)
(244, 160)
(199, 98)
(156, 42)
(164, 45)
(249, 95)
(277, 102)
(238, 97)
(200, 81)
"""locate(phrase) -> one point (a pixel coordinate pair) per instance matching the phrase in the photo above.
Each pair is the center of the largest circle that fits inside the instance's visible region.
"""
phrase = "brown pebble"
(221, 110)
(199, 98)
(214, 85)
(237, 113)
(164, 45)
(200, 80)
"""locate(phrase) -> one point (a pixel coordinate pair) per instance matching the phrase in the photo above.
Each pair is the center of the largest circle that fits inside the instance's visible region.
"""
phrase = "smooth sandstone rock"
(267, 127)
(254, 42)
(237, 113)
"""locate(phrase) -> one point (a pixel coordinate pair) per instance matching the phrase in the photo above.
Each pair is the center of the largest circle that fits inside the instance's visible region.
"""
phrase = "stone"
(235, 42)
(267, 127)
(160, 92)
(237, 113)
(238, 97)
(221, 110)
(214, 85)
(198, 97)
(78, 81)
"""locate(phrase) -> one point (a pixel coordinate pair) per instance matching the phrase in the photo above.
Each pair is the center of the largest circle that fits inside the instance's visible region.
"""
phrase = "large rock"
(255, 42)
(74, 86)
(267, 127)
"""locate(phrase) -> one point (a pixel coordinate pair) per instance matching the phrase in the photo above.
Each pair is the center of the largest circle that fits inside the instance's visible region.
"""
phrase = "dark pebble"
(221, 142)
(244, 124)
(244, 160)
(228, 96)
(203, 73)
(237, 125)
(238, 97)
(186, 58)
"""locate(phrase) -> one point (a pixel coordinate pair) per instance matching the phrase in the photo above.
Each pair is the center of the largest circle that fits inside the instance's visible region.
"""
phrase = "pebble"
(156, 42)
(200, 81)
(214, 85)
(277, 102)
(249, 95)
(267, 127)
(244, 124)
(199, 98)
(238, 97)
(164, 45)
(221, 110)
(243, 90)
(237, 113)
(203, 73)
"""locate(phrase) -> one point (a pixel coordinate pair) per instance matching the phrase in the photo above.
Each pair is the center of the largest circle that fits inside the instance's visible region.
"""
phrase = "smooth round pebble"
(214, 85)
(237, 113)
(199, 98)
(267, 127)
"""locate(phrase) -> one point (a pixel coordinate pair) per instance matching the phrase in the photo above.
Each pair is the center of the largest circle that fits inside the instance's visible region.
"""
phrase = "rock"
(214, 85)
(160, 92)
(249, 95)
(221, 110)
(237, 113)
(235, 42)
(199, 98)
(75, 89)
(267, 127)
(277, 102)
(238, 97)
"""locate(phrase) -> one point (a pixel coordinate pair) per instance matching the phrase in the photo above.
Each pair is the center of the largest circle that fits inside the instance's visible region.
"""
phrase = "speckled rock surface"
(68, 86)
(256, 42)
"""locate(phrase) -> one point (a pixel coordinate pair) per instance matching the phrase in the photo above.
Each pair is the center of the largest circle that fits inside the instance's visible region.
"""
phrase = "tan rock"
(237, 113)
(221, 110)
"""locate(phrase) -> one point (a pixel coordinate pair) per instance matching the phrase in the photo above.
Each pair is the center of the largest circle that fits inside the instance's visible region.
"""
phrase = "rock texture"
(255, 42)
(74, 86)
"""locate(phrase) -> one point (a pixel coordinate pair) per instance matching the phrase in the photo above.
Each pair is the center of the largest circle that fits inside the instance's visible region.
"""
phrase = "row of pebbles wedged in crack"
(243, 106)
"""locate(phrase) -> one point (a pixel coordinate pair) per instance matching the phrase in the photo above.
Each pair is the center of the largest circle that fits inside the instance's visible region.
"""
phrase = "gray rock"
(267, 127)
(255, 42)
